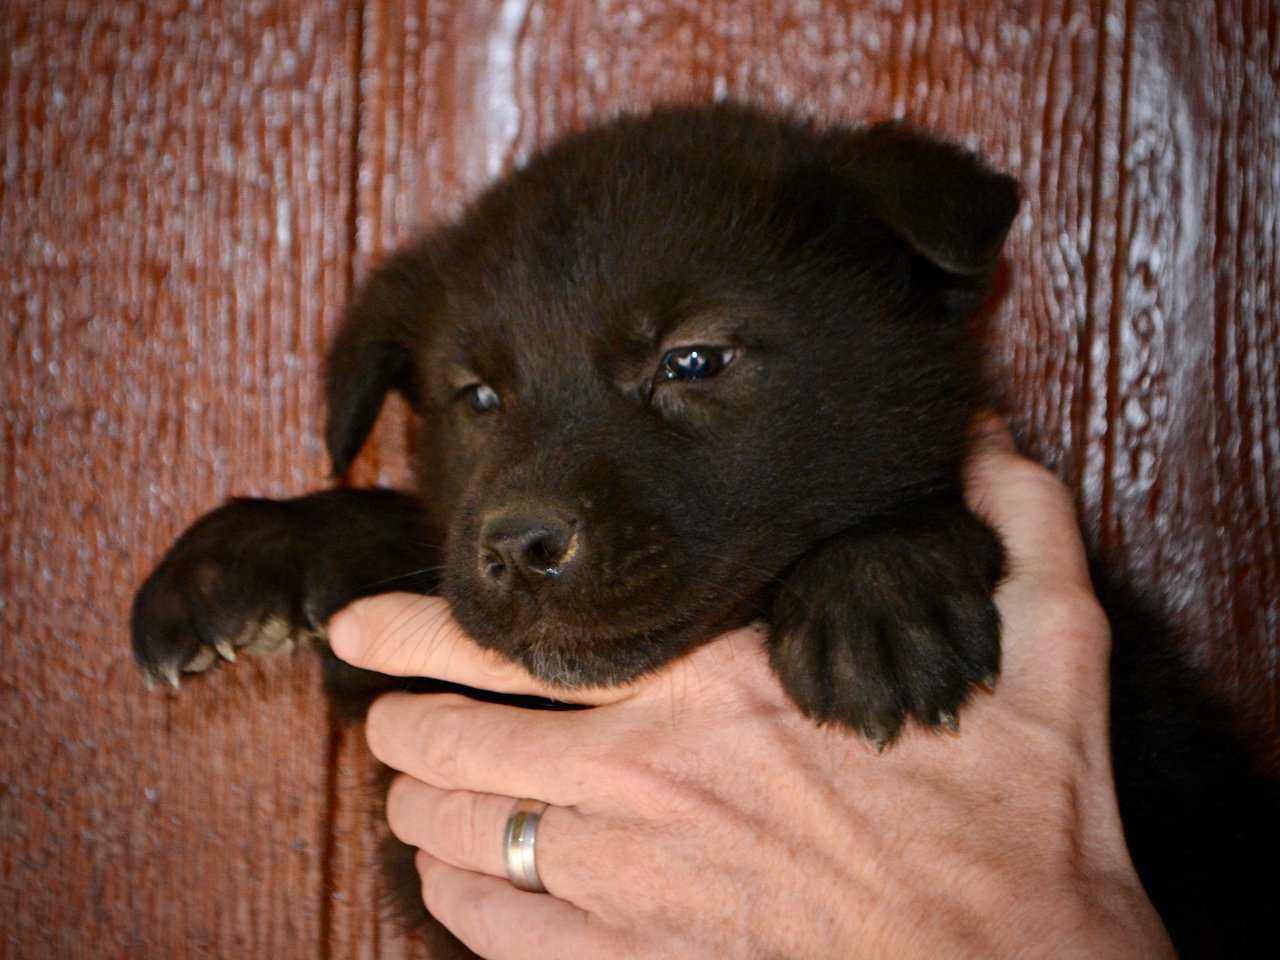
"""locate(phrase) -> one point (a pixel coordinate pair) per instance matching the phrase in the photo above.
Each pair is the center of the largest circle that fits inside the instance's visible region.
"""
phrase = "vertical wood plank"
(175, 226)
(1187, 483)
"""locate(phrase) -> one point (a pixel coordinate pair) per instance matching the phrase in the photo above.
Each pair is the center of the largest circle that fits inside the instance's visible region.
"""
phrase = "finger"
(499, 922)
(1029, 506)
(454, 743)
(463, 829)
(1056, 638)
(409, 635)
(576, 856)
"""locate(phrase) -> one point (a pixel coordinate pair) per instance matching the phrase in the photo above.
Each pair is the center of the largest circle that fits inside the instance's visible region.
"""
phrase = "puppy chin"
(589, 662)
(568, 654)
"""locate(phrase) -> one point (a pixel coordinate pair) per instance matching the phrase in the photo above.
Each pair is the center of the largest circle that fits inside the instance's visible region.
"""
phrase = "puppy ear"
(943, 200)
(372, 351)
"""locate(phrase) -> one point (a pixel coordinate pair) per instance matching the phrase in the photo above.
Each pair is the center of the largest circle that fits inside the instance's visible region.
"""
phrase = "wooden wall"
(187, 190)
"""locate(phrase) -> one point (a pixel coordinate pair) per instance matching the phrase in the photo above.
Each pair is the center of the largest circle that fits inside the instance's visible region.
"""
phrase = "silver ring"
(519, 848)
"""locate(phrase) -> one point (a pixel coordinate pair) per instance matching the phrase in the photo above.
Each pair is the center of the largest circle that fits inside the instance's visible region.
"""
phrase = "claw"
(169, 675)
(988, 683)
(880, 734)
(149, 682)
(225, 651)
(950, 720)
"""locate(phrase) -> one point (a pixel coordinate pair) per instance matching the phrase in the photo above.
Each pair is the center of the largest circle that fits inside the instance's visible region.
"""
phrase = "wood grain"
(189, 190)
(1179, 452)
(176, 242)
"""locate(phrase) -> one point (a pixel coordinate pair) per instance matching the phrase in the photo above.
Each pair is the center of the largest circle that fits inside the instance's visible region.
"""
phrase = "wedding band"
(520, 846)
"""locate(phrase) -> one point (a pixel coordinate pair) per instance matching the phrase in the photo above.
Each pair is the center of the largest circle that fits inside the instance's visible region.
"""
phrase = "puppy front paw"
(224, 588)
(891, 621)
(256, 575)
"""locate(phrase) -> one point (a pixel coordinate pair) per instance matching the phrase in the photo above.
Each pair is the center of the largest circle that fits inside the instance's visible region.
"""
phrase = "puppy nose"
(533, 545)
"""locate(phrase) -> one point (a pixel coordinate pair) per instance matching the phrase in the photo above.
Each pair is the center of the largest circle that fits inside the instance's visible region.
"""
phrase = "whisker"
(373, 585)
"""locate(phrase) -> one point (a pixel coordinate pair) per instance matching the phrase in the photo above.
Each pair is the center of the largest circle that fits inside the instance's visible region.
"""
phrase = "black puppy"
(679, 372)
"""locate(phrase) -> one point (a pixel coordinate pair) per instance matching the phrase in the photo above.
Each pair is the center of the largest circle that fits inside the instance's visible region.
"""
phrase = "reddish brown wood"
(175, 230)
(1169, 424)
(188, 190)
(1187, 481)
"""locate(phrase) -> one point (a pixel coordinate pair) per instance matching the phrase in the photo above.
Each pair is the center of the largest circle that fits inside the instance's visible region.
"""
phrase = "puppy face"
(663, 360)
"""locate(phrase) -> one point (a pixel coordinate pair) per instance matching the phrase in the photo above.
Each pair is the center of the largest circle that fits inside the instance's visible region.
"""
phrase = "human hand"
(696, 813)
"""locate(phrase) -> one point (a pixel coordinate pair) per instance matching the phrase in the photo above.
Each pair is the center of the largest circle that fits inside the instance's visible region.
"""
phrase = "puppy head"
(662, 360)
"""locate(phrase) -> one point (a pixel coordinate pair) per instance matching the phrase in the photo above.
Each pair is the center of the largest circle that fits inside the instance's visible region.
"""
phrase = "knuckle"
(441, 743)
(457, 822)
(1072, 609)
(1022, 471)
(449, 819)
(415, 734)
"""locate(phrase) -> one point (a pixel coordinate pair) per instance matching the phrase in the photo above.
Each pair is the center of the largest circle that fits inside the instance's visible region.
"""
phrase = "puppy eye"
(694, 363)
(480, 397)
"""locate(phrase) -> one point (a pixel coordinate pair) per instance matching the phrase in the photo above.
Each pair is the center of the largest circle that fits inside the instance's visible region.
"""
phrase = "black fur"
(599, 497)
